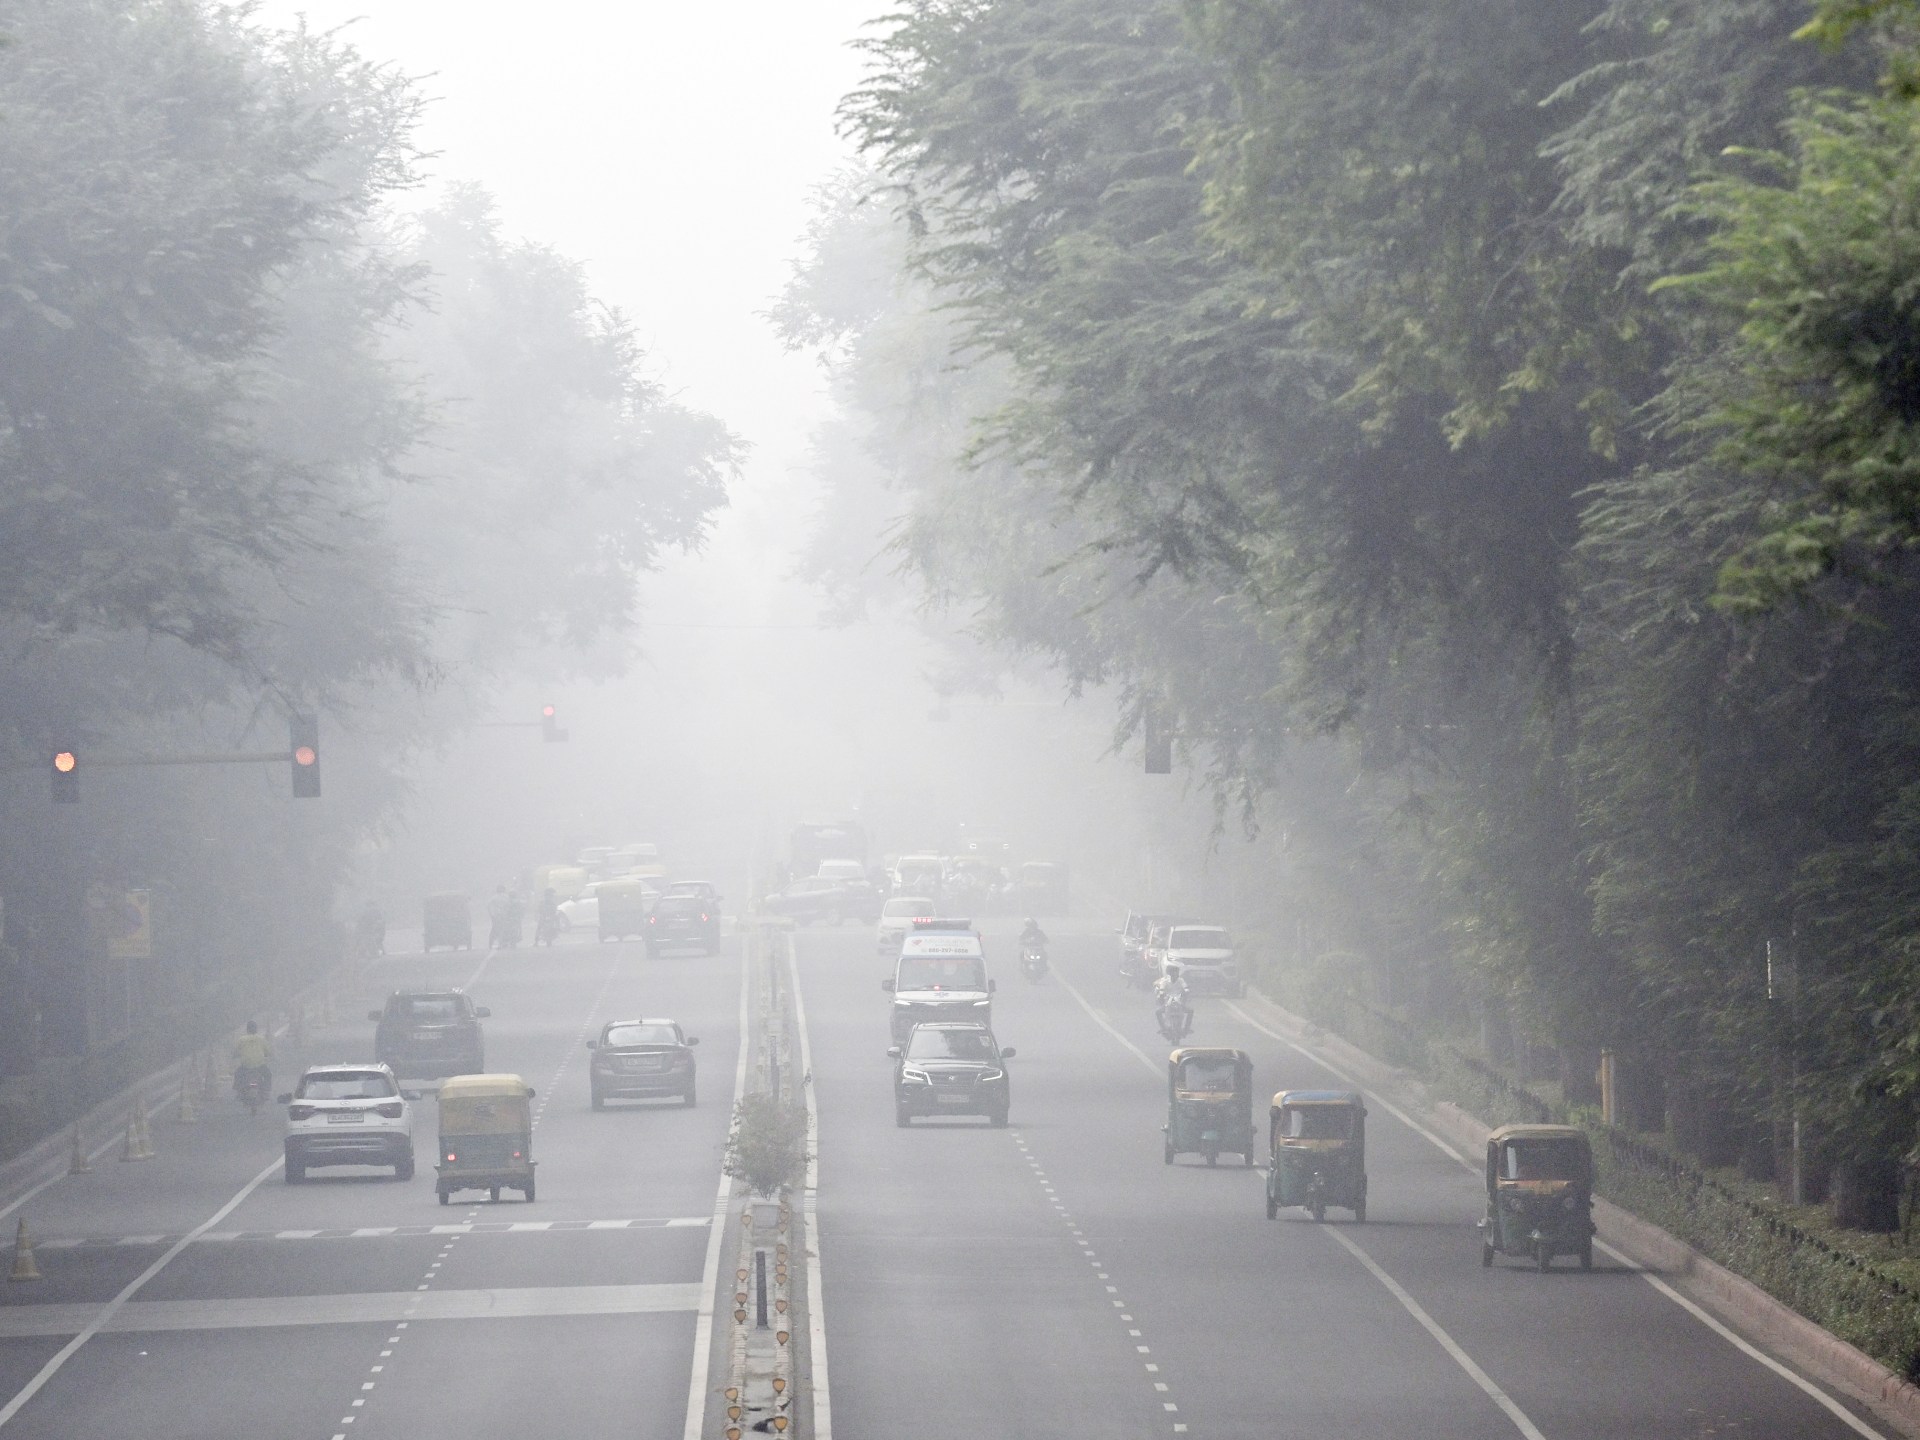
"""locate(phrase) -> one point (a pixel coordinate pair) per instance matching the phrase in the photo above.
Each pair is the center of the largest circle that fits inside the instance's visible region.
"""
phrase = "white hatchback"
(896, 920)
(349, 1115)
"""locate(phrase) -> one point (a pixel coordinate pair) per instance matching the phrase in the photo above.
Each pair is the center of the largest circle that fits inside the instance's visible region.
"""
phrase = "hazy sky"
(669, 147)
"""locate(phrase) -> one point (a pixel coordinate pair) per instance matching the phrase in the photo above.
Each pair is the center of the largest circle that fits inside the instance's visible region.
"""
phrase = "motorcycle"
(1175, 1019)
(250, 1086)
(1033, 962)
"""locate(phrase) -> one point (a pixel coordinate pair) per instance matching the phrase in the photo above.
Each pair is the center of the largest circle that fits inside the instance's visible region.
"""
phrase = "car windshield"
(928, 1044)
(678, 904)
(1199, 937)
(623, 1035)
(1212, 1072)
(941, 972)
(842, 869)
(353, 1085)
(908, 908)
(431, 1009)
(1543, 1160)
(1318, 1122)
(688, 887)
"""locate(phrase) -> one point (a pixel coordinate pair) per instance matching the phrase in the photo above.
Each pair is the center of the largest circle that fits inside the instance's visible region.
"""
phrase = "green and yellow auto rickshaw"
(623, 908)
(1319, 1144)
(1539, 1194)
(1209, 1104)
(446, 919)
(486, 1136)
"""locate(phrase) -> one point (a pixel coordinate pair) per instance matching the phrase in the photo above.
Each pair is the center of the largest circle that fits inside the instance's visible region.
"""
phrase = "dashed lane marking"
(267, 1312)
(378, 1232)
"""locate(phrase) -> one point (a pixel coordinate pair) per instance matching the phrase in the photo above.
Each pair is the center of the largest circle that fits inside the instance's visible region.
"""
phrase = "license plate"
(951, 1099)
(346, 1117)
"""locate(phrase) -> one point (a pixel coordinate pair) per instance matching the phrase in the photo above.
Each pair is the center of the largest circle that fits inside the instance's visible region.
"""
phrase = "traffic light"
(550, 730)
(1159, 745)
(303, 743)
(66, 777)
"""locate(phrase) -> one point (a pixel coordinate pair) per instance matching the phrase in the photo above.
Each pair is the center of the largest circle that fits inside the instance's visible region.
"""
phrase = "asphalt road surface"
(355, 1304)
(1056, 1278)
(1050, 1279)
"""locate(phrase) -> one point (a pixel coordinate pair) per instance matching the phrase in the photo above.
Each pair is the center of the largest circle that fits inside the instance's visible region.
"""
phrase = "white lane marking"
(1156, 1066)
(1460, 1357)
(356, 1308)
(1799, 1381)
(810, 1194)
(104, 1314)
(1858, 1425)
(710, 1274)
(1375, 1096)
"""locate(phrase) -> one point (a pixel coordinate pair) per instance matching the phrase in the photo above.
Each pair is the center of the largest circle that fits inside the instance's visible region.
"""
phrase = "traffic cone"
(185, 1114)
(139, 1142)
(209, 1077)
(77, 1156)
(23, 1266)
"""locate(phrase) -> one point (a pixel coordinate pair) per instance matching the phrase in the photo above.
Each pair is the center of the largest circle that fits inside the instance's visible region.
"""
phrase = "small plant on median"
(765, 1147)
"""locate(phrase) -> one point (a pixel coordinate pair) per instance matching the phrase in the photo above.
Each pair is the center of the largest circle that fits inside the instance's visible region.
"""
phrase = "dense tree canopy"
(1515, 394)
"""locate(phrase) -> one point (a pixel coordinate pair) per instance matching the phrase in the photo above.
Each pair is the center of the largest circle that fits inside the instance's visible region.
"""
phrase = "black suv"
(953, 1068)
(684, 920)
(430, 1033)
(642, 1060)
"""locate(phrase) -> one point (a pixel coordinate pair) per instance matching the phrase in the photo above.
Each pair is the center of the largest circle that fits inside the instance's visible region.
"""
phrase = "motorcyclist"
(1033, 934)
(251, 1052)
(1170, 990)
(497, 910)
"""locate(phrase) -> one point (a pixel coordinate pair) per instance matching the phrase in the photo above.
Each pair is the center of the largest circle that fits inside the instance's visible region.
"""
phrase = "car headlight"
(990, 1075)
(916, 1077)
(981, 1004)
(1568, 1202)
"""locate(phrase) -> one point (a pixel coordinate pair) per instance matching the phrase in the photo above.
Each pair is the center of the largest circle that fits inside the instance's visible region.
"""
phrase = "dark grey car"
(951, 1068)
(430, 1033)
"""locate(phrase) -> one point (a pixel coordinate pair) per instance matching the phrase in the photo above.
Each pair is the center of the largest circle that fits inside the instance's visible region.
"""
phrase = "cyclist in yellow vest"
(251, 1052)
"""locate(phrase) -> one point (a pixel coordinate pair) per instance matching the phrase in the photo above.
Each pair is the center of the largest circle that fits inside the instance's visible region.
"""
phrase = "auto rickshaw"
(1539, 1194)
(486, 1136)
(623, 908)
(1319, 1144)
(1209, 1104)
(446, 920)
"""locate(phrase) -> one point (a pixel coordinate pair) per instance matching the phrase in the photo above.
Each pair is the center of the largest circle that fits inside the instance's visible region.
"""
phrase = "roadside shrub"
(768, 1138)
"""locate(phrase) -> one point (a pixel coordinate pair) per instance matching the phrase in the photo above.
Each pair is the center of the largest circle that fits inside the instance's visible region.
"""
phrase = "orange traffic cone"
(185, 1114)
(77, 1156)
(23, 1266)
(139, 1142)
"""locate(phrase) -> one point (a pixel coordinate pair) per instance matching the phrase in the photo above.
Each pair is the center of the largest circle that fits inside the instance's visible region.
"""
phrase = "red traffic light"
(304, 756)
(64, 762)
(547, 711)
(550, 724)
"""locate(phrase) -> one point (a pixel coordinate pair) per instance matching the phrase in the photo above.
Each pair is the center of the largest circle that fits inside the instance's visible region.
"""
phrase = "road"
(1051, 1278)
(311, 1310)
(1056, 1278)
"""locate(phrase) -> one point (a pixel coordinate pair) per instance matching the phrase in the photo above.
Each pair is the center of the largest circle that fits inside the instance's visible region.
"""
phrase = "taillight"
(652, 918)
(391, 1110)
(516, 1154)
(299, 1112)
(451, 1157)
(703, 917)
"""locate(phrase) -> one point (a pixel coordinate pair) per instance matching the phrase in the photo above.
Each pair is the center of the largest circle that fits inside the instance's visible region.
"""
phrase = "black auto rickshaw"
(446, 920)
(486, 1136)
(1209, 1104)
(1319, 1144)
(1539, 1194)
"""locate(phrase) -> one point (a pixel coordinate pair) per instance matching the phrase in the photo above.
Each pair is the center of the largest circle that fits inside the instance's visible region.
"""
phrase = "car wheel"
(403, 1167)
(1273, 1210)
(998, 1119)
(1360, 1212)
(444, 1197)
(493, 1194)
(902, 1117)
(1486, 1257)
(527, 1190)
(296, 1172)
(1166, 1153)
(1586, 1256)
(599, 1100)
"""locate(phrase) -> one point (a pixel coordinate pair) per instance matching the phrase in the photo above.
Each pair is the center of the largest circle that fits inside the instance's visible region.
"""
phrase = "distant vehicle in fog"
(583, 911)
(680, 921)
(626, 907)
(446, 919)
(861, 898)
(896, 919)
(703, 889)
(430, 1033)
(1205, 958)
(639, 858)
(594, 860)
(815, 899)
(919, 874)
(818, 840)
(642, 1060)
(974, 886)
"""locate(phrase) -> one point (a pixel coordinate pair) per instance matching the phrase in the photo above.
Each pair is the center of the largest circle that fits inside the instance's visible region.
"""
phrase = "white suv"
(349, 1115)
(1205, 956)
(896, 920)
